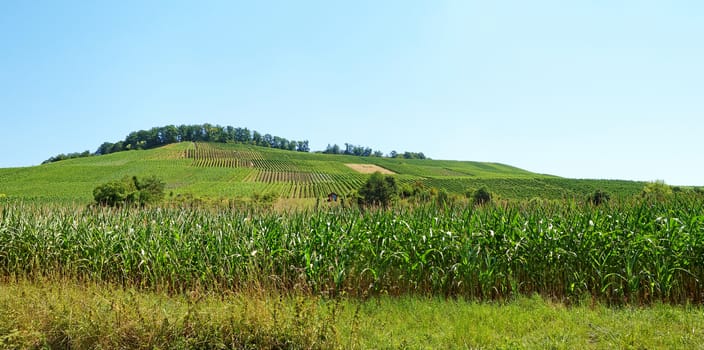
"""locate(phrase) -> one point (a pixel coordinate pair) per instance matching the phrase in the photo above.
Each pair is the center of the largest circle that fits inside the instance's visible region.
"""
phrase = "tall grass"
(66, 315)
(626, 252)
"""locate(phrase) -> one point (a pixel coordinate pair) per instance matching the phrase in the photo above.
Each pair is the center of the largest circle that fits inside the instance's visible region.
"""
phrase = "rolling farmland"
(221, 171)
(540, 238)
(274, 172)
(559, 245)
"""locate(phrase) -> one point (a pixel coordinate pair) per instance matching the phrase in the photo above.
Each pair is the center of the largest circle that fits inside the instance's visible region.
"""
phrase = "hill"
(223, 170)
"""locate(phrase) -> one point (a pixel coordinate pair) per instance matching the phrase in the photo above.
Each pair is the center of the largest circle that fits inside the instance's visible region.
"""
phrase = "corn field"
(633, 251)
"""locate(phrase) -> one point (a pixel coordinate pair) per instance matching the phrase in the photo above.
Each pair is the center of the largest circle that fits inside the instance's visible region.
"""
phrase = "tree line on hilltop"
(161, 136)
(361, 151)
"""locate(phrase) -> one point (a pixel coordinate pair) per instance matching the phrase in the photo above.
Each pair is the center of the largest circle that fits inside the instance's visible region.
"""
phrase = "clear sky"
(602, 89)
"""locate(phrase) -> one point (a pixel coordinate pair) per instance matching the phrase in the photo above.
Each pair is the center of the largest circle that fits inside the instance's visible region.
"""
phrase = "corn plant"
(623, 251)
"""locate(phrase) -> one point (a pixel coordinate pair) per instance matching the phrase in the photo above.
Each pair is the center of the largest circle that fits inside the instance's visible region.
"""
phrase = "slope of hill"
(219, 170)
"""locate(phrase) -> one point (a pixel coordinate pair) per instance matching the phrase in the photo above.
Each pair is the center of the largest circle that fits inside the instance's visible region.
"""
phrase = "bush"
(151, 189)
(657, 190)
(481, 196)
(264, 198)
(406, 191)
(115, 193)
(443, 197)
(129, 190)
(378, 190)
(598, 197)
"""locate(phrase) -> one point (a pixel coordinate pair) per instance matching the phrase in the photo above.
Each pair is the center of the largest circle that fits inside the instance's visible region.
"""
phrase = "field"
(217, 171)
(631, 252)
(539, 267)
(573, 256)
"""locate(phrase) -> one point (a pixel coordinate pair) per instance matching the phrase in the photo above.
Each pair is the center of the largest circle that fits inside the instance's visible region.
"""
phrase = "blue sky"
(581, 89)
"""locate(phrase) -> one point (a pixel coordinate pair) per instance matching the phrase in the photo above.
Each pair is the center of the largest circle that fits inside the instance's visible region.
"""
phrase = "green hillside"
(220, 170)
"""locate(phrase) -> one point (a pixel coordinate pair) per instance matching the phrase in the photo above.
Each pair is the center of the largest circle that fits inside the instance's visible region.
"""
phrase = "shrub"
(657, 190)
(481, 196)
(264, 198)
(443, 197)
(598, 197)
(151, 189)
(378, 190)
(129, 190)
(406, 190)
(115, 193)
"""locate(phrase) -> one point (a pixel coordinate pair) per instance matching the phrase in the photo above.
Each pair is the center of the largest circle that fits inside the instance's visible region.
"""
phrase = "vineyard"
(221, 171)
(206, 155)
(276, 174)
(307, 185)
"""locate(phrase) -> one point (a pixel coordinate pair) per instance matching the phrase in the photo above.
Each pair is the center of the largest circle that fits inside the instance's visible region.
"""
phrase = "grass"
(66, 314)
(212, 174)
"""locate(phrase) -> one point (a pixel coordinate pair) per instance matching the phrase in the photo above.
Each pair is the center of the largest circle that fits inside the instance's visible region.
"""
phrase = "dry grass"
(369, 169)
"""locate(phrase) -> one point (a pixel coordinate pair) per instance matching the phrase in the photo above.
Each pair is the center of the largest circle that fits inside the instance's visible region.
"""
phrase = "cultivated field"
(212, 267)
(218, 171)
(206, 278)
(629, 252)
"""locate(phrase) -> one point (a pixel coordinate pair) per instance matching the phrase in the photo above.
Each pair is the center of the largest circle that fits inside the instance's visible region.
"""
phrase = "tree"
(267, 141)
(657, 190)
(334, 149)
(303, 146)
(243, 135)
(105, 148)
(160, 136)
(119, 146)
(378, 190)
(129, 190)
(481, 196)
(278, 142)
(256, 138)
(151, 189)
(115, 193)
(168, 134)
(67, 156)
(598, 197)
